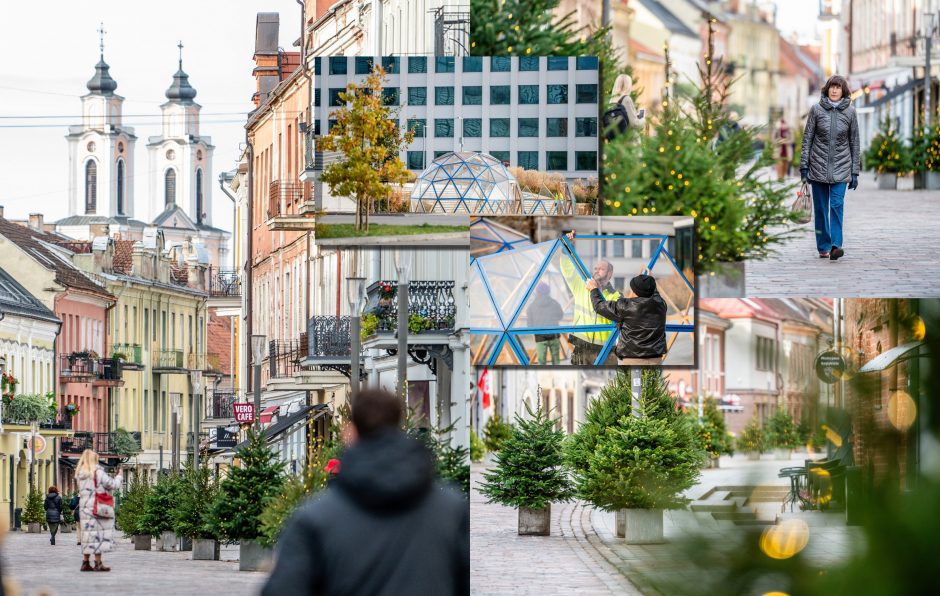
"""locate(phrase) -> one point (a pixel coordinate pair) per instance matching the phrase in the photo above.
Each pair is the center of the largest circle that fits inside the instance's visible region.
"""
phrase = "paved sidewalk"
(892, 243)
(37, 567)
(567, 562)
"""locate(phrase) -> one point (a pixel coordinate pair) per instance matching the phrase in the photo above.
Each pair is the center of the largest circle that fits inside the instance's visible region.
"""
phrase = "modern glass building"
(538, 113)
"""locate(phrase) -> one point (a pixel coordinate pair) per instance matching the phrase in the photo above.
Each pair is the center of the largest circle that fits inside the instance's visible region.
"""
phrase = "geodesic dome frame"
(488, 237)
(502, 284)
(465, 182)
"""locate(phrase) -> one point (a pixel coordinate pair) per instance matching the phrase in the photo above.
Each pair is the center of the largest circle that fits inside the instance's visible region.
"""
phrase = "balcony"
(77, 367)
(287, 206)
(431, 307)
(108, 373)
(102, 443)
(328, 340)
(168, 361)
(131, 356)
(219, 405)
(285, 356)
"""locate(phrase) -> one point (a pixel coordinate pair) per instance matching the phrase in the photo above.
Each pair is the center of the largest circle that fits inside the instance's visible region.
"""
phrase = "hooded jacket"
(384, 526)
(830, 142)
(641, 322)
(53, 507)
(544, 311)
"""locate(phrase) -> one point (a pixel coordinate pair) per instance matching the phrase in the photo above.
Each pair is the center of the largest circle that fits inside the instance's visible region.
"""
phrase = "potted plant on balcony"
(26, 409)
(198, 490)
(235, 514)
(132, 514)
(34, 516)
(635, 463)
(8, 384)
(751, 441)
(71, 410)
(156, 517)
(529, 473)
(782, 434)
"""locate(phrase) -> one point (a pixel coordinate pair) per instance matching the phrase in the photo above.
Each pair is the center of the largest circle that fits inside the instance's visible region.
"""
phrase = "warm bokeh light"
(918, 329)
(785, 539)
(823, 480)
(775, 594)
(832, 436)
(902, 411)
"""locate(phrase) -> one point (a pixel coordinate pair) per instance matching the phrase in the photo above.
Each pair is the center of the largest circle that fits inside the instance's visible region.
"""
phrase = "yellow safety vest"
(584, 313)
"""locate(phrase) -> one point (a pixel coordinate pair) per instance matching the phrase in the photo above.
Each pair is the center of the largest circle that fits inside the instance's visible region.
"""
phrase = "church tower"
(180, 160)
(101, 151)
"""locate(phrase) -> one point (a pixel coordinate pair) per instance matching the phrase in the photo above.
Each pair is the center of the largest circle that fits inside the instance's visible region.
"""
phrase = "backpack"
(615, 121)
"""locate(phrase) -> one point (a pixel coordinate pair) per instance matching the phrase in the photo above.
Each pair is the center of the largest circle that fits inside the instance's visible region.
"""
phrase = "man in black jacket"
(384, 526)
(641, 319)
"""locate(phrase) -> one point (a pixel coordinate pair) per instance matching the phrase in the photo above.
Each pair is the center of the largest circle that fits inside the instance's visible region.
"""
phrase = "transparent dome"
(488, 236)
(465, 182)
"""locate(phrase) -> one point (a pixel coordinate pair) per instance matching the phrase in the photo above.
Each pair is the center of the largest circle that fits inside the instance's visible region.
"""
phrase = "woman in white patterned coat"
(97, 531)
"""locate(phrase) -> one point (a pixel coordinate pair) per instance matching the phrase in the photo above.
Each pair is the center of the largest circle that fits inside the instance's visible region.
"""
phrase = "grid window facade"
(500, 95)
(443, 127)
(499, 127)
(500, 64)
(473, 127)
(473, 64)
(528, 127)
(556, 127)
(416, 160)
(472, 95)
(557, 94)
(528, 160)
(417, 96)
(443, 96)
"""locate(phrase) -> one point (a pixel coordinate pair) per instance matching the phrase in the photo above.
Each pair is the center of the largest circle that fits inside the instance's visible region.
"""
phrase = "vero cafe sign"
(244, 413)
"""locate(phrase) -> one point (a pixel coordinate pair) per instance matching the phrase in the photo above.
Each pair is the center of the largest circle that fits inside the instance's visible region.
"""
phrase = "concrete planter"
(905, 182)
(713, 462)
(34, 528)
(205, 549)
(169, 542)
(65, 528)
(753, 455)
(932, 181)
(142, 541)
(643, 526)
(727, 282)
(887, 181)
(782, 454)
(535, 522)
(252, 556)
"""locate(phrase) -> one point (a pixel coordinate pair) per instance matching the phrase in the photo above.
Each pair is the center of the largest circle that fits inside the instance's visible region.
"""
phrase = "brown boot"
(86, 566)
(100, 567)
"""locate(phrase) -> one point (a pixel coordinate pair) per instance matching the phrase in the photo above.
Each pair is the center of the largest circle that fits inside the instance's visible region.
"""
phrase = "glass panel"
(585, 160)
(416, 160)
(443, 127)
(528, 127)
(556, 160)
(502, 156)
(444, 96)
(557, 63)
(417, 125)
(390, 96)
(500, 94)
(528, 94)
(472, 64)
(390, 64)
(417, 96)
(587, 62)
(472, 95)
(585, 127)
(500, 64)
(334, 97)
(444, 64)
(556, 127)
(473, 127)
(586, 93)
(528, 160)
(417, 64)
(338, 65)
(528, 63)
(316, 97)
(499, 127)
(363, 64)
(557, 94)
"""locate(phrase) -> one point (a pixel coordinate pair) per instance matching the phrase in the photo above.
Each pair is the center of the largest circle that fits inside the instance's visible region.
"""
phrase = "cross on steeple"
(180, 46)
(101, 33)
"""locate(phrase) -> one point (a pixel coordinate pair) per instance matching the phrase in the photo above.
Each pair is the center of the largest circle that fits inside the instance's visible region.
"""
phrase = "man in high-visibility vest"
(587, 345)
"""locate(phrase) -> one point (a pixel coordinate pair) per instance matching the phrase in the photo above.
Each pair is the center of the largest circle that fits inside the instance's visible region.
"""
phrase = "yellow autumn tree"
(369, 139)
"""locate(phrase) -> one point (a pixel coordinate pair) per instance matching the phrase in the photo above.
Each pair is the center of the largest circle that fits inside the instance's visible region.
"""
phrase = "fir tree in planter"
(529, 473)
(477, 448)
(294, 491)
(751, 441)
(713, 433)
(131, 514)
(782, 433)
(887, 156)
(34, 516)
(243, 495)
(157, 519)
(638, 463)
(197, 490)
(495, 433)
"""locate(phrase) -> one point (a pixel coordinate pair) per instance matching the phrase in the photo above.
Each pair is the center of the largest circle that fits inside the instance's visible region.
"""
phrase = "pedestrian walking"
(75, 506)
(96, 489)
(385, 525)
(621, 114)
(640, 318)
(545, 311)
(53, 506)
(783, 147)
(830, 161)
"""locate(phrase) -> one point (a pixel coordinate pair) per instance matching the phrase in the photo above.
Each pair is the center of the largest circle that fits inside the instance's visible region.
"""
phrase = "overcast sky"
(50, 49)
(799, 16)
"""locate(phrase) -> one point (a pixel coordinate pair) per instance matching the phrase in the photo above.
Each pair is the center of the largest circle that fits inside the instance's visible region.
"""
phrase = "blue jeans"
(828, 200)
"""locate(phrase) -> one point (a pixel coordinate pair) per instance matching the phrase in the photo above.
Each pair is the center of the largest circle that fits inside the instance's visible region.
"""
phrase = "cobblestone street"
(892, 239)
(36, 567)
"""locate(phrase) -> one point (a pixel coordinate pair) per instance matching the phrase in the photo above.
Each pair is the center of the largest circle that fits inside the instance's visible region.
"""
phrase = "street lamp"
(257, 355)
(403, 265)
(354, 286)
(196, 378)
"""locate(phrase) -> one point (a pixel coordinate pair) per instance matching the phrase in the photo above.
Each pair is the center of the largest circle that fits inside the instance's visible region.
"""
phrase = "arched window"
(120, 187)
(199, 202)
(169, 188)
(91, 186)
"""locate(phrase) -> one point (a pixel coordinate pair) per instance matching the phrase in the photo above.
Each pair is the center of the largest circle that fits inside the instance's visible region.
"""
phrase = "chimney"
(1, 211)
(35, 221)
(267, 62)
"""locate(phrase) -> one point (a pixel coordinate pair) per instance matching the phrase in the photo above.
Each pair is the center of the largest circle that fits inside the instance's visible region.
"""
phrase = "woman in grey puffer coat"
(830, 160)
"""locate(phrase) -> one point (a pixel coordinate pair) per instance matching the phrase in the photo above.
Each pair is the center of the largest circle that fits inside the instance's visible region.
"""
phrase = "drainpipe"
(307, 234)
(249, 293)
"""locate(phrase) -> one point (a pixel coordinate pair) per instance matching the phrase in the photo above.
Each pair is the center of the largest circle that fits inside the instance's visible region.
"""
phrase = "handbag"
(802, 207)
(103, 506)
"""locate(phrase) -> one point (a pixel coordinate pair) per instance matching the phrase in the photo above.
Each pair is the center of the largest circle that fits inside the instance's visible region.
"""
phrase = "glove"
(854, 183)
(804, 172)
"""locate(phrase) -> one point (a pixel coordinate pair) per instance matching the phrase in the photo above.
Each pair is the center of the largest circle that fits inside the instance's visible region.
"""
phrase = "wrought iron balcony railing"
(109, 369)
(431, 305)
(168, 359)
(285, 198)
(99, 442)
(77, 366)
(285, 356)
(224, 283)
(130, 354)
(219, 405)
(328, 337)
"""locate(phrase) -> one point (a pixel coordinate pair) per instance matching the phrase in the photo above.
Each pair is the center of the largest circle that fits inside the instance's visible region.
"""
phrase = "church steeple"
(102, 83)
(181, 91)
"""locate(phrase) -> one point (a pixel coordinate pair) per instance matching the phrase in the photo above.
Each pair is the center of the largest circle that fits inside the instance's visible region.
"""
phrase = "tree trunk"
(359, 213)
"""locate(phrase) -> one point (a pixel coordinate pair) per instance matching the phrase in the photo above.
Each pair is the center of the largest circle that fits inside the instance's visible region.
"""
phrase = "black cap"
(643, 285)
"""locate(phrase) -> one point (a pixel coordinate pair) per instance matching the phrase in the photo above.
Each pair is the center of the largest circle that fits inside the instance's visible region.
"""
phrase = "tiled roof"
(219, 342)
(40, 246)
(122, 261)
(179, 273)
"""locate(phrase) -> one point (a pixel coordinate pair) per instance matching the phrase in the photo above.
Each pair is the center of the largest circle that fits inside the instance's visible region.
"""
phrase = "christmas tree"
(525, 28)
(495, 433)
(160, 502)
(33, 513)
(197, 490)
(887, 152)
(529, 469)
(235, 513)
(782, 432)
(712, 431)
(696, 161)
(130, 514)
(644, 461)
(752, 437)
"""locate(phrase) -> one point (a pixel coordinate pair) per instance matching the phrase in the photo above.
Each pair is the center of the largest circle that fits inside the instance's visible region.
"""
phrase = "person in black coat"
(385, 525)
(641, 320)
(53, 506)
(75, 507)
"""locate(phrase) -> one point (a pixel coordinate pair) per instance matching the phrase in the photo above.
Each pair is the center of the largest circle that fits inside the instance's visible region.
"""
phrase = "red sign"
(244, 413)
